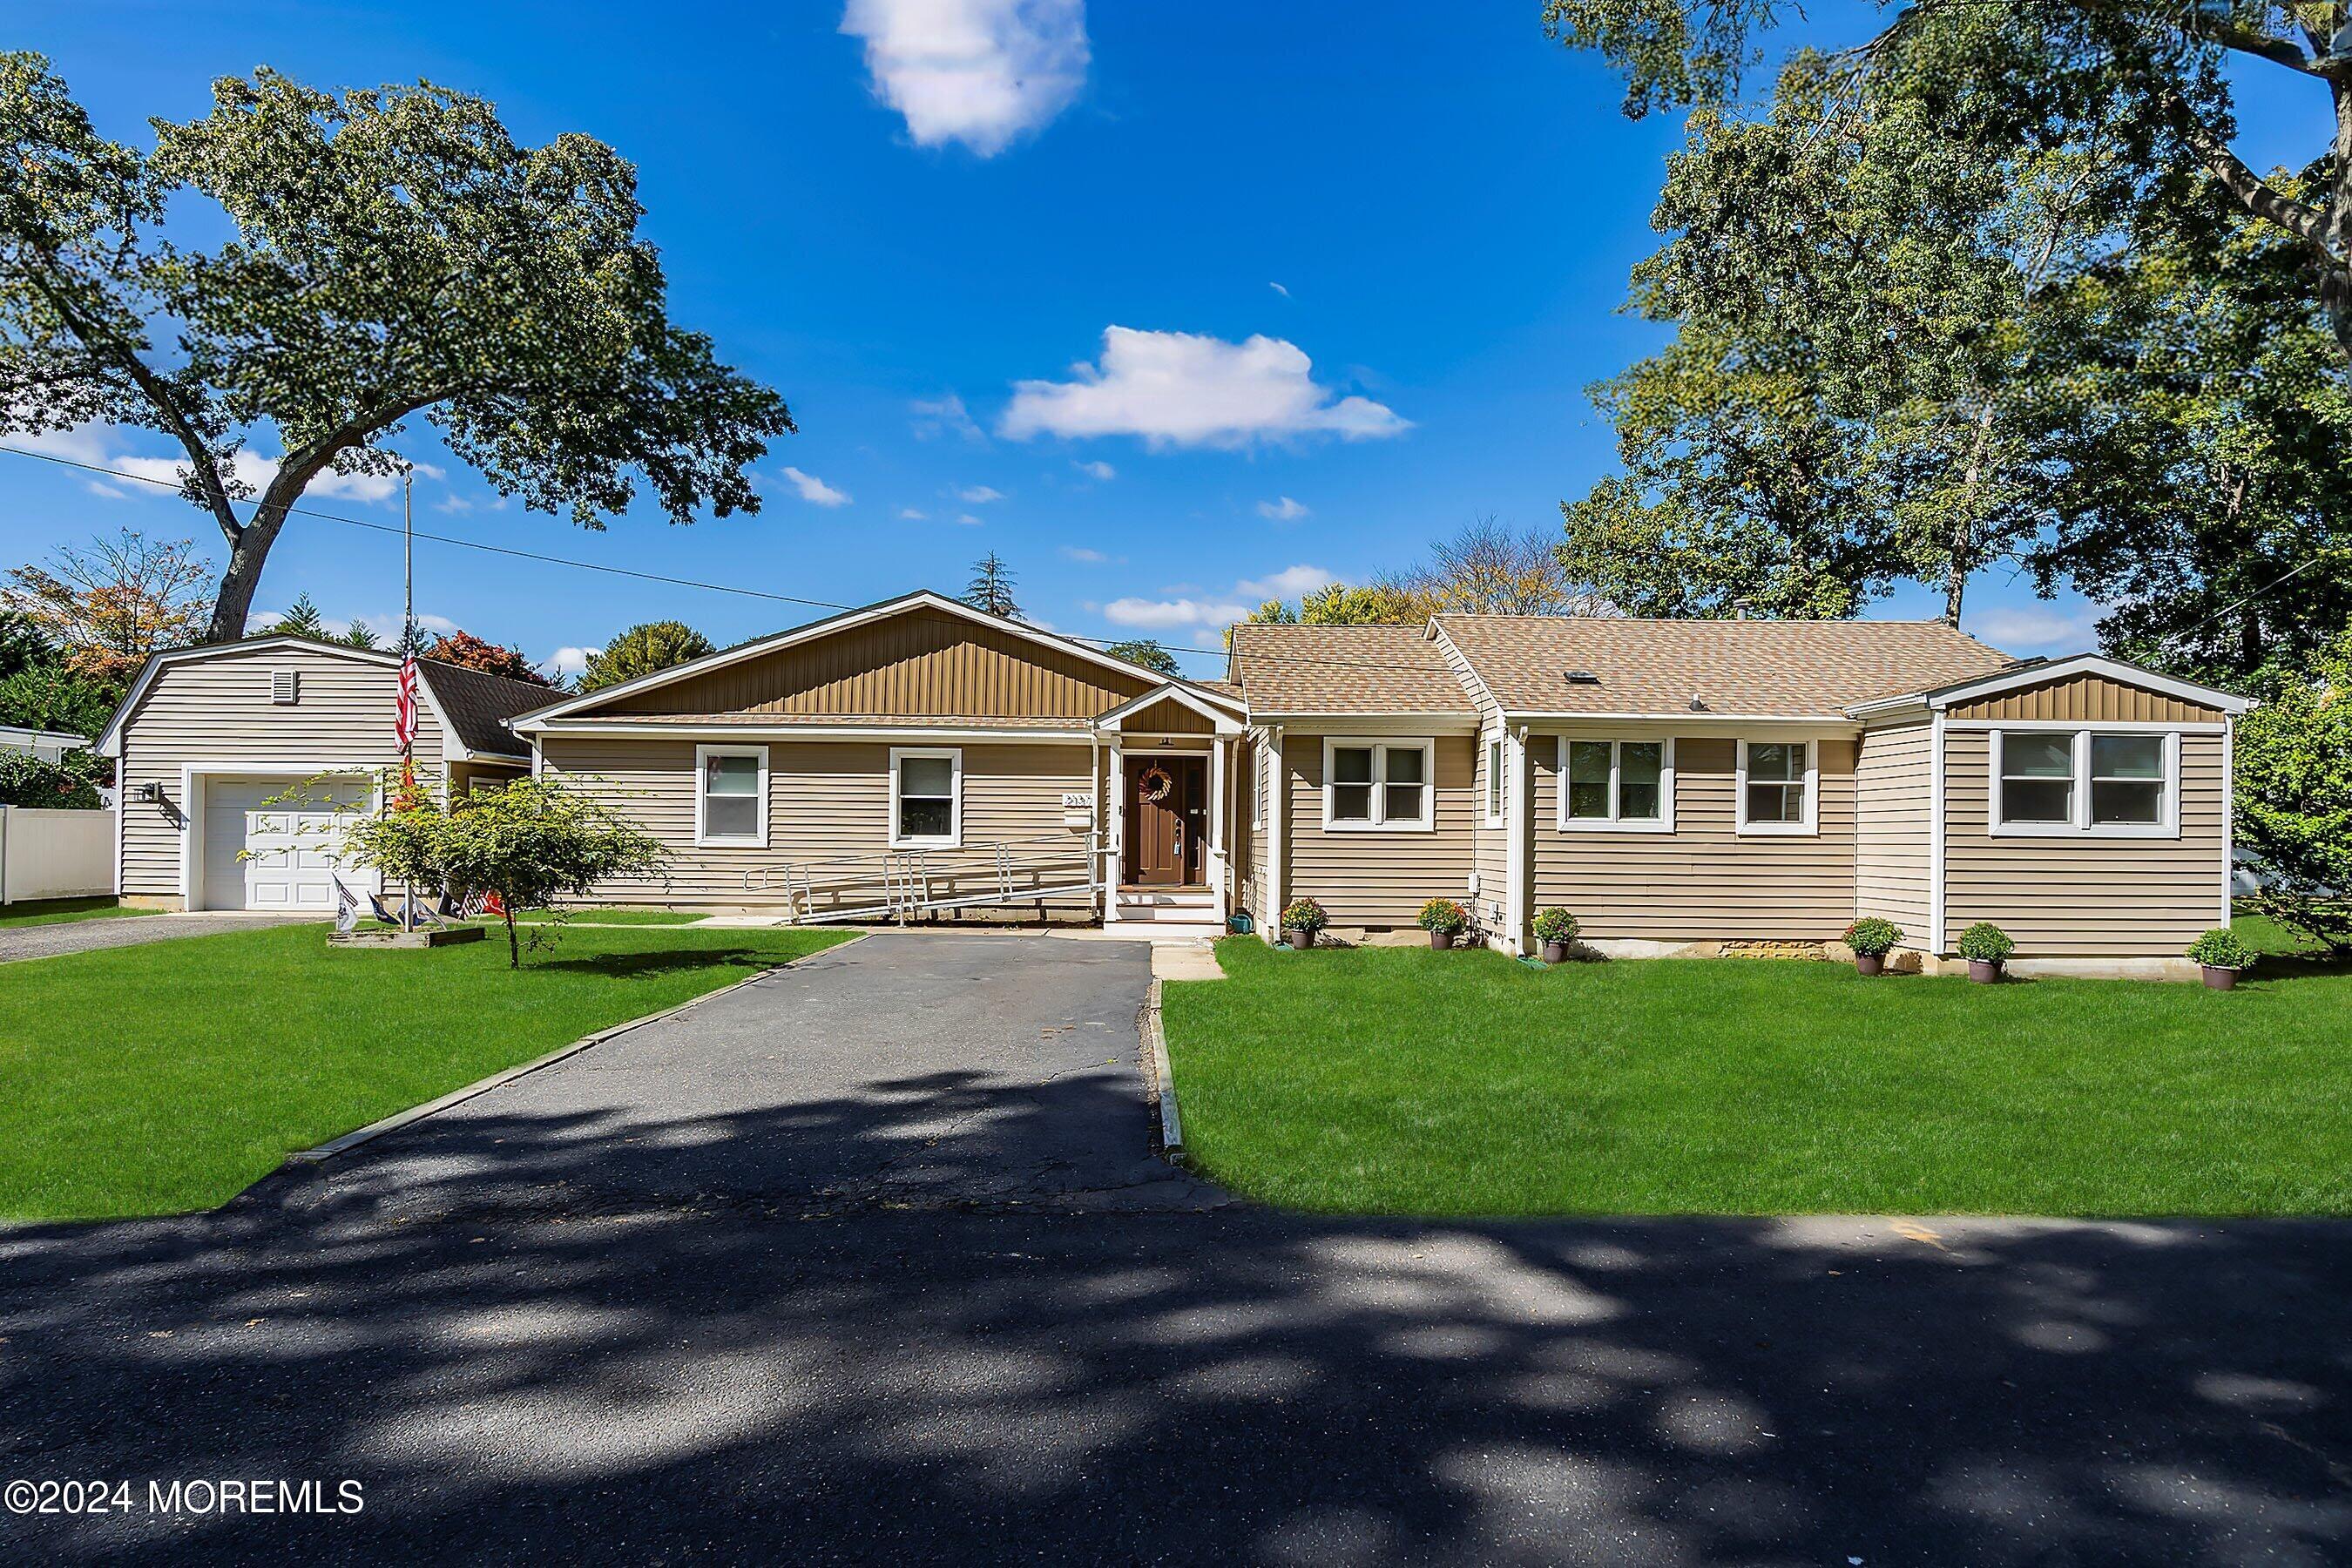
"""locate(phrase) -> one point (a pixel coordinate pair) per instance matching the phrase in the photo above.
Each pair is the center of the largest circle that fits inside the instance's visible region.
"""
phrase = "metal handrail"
(905, 877)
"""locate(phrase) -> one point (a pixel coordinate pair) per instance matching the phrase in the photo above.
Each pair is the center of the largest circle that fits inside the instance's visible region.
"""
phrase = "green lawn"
(61, 911)
(170, 1076)
(2266, 935)
(1401, 1080)
(631, 915)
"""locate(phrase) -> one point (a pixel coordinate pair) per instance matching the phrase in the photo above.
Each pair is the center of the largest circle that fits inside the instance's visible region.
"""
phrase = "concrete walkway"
(129, 930)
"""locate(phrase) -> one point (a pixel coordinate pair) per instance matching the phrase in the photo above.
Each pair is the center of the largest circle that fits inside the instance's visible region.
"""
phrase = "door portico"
(1166, 818)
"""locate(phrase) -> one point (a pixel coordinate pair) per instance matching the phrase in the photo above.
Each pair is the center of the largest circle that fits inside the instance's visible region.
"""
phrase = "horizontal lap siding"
(1894, 828)
(218, 709)
(828, 800)
(1378, 878)
(1490, 845)
(2088, 696)
(1703, 883)
(2105, 897)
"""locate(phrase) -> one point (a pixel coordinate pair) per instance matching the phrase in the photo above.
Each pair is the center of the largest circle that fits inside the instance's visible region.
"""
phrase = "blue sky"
(915, 217)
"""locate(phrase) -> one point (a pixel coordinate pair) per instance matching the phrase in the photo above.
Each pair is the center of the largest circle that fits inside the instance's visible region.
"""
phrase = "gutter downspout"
(1278, 824)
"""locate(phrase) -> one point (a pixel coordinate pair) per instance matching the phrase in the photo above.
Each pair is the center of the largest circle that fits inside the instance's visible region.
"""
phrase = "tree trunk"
(514, 949)
(233, 603)
(2336, 238)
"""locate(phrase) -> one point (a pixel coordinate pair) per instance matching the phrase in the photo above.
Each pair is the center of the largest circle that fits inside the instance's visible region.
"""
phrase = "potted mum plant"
(1872, 940)
(2220, 958)
(1444, 920)
(1301, 918)
(1555, 929)
(1986, 947)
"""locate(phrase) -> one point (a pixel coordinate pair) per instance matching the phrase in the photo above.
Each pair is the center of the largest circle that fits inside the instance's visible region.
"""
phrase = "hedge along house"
(1711, 786)
(916, 757)
(209, 741)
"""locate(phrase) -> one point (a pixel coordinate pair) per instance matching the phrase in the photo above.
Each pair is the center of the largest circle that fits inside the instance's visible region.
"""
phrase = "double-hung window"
(730, 796)
(926, 797)
(1377, 785)
(1624, 784)
(1494, 780)
(1777, 785)
(2085, 781)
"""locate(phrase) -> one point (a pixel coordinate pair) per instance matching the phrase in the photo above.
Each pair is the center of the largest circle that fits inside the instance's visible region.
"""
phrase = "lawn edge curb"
(1171, 1127)
(311, 1158)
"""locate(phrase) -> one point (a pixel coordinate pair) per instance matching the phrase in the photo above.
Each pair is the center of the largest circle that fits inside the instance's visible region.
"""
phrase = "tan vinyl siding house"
(1895, 863)
(1378, 878)
(209, 737)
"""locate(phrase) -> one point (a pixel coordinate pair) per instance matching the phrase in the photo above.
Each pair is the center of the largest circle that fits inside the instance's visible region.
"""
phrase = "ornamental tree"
(468, 651)
(645, 649)
(393, 252)
(2293, 756)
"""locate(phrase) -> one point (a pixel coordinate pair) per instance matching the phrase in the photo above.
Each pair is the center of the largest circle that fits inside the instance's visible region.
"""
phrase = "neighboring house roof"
(1753, 668)
(1368, 670)
(472, 706)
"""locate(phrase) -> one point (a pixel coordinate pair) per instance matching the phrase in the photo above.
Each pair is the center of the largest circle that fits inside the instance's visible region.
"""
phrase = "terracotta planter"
(1441, 940)
(1555, 953)
(1985, 971)
(1870, 963)
(1301, 940)
(2217, 978)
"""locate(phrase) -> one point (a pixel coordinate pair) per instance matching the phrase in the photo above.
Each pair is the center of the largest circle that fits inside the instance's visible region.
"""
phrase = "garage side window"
(730, 802)
(926, 798)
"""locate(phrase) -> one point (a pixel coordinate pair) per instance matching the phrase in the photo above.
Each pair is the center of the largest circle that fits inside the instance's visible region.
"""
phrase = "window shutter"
(285, 686)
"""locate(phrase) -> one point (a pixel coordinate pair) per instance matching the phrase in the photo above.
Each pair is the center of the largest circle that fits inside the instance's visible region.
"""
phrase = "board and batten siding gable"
(918, 664)
(1704, 882)
(217, 709)
(2091, 699)
(1378, 878)
(2084, 895)
(1895, 828)
(828, 806)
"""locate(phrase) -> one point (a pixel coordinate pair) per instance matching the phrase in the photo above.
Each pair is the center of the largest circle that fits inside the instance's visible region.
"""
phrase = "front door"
(1167, 819)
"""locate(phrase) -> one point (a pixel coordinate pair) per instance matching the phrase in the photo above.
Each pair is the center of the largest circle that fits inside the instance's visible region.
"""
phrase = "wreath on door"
(1154, 785)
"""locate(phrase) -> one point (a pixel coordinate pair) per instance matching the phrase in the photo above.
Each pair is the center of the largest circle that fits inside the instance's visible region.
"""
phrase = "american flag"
(404, 724)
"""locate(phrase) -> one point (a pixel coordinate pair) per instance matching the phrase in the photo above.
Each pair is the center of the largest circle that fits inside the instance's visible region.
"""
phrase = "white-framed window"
(1622, 785)
(1261, 771)
(1495, 780)
(1378, 785)
(1778, 785)
(730, 796)
(2068, 780)
(926, 797)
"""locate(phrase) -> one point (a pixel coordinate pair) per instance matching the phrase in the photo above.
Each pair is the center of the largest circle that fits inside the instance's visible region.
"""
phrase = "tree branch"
(2305, 222)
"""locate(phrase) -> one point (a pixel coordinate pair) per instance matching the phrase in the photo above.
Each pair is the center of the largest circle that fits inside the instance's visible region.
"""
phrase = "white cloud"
(1289, 582)
(936, 417)
(1081, 553)
(1161, 615)
(814, 491)
(980, 495)
(912, 514)
(981, 72)
(964, 520)
(566, 662)
(1283, 510)
(2032, 628)
(1096, 470)
(1187, 389)
(1279, 289)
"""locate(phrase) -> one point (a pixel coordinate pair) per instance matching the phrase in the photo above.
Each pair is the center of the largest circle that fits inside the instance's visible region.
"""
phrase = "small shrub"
(1555, 925)
(1445, 915)
(69, 785)
(2222, 948)
(1873, 937)
(1985, 942)
(1303, 914)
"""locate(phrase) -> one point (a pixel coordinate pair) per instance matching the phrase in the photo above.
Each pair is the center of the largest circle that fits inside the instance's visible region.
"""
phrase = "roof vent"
(1697, 703)
(285, 686)
(1582, 677)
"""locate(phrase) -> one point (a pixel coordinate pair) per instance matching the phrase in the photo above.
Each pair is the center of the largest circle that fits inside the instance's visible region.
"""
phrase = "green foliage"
(468, 651)
(643, 650)
(23, 646)
(393, 251)
(1147, 652)
(1873, 937)
(71, 783)
(2221, 948)
(991, 588)
(1303, 914)
(301, 619)
(2294, 757)
(1554, 925)
(1445, 915)
(52, 697)
(1985, 942)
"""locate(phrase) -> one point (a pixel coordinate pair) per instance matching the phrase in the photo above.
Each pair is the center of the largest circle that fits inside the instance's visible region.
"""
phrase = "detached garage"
(210, 740)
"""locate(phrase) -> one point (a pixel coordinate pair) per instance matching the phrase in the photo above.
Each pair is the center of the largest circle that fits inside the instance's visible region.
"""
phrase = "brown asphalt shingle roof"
(1344, 669)
(1764, 668)
(479, 704)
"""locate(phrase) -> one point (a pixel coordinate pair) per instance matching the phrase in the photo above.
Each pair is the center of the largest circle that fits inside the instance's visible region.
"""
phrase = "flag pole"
(408, 650)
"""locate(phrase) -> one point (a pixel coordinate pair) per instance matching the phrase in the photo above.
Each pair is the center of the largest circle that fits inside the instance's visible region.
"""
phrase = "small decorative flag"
(347, 908)
(405, 723)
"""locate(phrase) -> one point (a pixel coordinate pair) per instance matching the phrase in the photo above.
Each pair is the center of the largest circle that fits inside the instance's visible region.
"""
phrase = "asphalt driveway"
(906, 1069)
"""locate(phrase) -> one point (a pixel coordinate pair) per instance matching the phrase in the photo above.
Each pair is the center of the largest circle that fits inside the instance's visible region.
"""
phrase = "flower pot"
(1555, 953)
(2217, 978)
(1441, 940)
(1984, 971)
(1870, 963)
(1301, 940)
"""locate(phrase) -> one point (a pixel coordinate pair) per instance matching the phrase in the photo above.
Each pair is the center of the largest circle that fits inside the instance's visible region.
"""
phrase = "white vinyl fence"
(48, 854)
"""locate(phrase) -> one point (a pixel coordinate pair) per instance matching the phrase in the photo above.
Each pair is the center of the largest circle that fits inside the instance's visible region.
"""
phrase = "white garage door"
(285, 848)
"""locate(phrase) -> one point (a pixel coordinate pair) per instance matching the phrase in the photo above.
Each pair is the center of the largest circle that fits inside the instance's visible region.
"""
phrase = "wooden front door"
(1167, 819)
